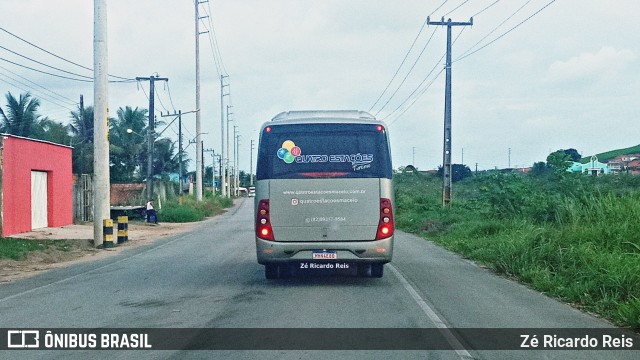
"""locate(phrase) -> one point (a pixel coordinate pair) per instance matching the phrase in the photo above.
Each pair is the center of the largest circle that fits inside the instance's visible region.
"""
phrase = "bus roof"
(323, 114)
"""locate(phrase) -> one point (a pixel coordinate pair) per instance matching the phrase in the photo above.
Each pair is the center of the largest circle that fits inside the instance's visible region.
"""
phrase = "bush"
(192, 210)
(571, 236)
(180, 214)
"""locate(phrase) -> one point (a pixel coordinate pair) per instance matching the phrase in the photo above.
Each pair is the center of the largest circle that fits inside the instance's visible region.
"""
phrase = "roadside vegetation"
(18, 249)
(571, 236)
(191, 210)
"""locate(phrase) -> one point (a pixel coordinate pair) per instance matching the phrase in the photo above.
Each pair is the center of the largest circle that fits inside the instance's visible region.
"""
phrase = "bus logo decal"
(289, 152)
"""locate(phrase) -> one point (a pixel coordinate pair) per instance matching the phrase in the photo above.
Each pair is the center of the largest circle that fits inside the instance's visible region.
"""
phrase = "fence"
(121, 194)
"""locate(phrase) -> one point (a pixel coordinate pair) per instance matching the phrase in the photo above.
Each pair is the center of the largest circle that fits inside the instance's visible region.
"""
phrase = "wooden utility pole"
(446, 152)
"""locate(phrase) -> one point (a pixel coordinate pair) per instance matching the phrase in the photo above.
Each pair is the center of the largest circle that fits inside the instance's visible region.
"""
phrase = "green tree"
(559, 161)
(81, 128)
(458, 172)
(21, 115)
(164, 159)
(539, 168)
(51, 130)
(128, 149)
(574, 155)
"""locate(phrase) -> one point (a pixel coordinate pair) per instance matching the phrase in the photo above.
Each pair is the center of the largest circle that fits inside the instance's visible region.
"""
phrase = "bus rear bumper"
(378, 251)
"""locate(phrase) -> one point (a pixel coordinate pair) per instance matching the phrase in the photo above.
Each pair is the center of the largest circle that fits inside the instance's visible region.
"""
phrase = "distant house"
(633, 167)
(593, 167)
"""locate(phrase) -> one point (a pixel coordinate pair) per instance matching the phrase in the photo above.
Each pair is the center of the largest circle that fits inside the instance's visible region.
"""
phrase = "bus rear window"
(324, 151)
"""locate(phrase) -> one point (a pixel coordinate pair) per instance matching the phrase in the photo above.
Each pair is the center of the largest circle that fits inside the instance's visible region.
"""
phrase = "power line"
(404, 59)
(61, 97)
(464, 55)
(56, 56)
(409, 72)
(507, 32)
(170, 99)
(44, 96)
(493, 30)
(456, 8)
(417, 89)
(43, 64)
(17, 86)
(485, 9)
(44, 72)
(215, 40)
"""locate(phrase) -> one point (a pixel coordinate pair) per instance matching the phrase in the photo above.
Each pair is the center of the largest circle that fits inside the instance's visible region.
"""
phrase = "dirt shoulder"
(80, 247)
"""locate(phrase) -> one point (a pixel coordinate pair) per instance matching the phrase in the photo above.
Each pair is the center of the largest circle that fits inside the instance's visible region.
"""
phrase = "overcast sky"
(566, 78)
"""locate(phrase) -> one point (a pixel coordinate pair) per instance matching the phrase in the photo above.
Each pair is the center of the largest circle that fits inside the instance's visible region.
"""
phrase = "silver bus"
(324, 194)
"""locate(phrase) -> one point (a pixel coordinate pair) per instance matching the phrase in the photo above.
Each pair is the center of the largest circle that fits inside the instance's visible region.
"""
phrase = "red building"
(37, 184)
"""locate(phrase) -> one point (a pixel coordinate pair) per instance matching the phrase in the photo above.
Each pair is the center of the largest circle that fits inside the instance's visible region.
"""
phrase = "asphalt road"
(209, 278)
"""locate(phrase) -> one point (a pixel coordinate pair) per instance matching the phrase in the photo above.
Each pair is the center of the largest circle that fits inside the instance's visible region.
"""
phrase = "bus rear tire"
(271, 271)
(371, 270)
(377, 270)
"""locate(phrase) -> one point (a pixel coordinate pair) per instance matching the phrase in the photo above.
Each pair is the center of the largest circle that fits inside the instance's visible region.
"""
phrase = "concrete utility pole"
(446, 153)
(180, 150)
(226, 160)
(213, 168)
(198, 123)
(151, 130)
(102, 193)
(237, 160)
(251, 165)
(223, 182)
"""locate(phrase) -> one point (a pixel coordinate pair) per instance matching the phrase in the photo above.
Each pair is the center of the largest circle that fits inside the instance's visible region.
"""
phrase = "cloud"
(605, 62)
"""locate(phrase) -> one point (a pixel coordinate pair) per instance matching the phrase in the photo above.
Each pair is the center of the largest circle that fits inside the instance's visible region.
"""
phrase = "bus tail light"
(385, 224)
(263, 221)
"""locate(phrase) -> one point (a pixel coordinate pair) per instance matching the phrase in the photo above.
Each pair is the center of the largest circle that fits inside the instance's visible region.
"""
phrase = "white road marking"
(431, 314)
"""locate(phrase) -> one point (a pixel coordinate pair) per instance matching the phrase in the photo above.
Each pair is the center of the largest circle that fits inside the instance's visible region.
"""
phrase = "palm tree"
(127, 137)
(51, 130)
(20, 117)
(81, 128)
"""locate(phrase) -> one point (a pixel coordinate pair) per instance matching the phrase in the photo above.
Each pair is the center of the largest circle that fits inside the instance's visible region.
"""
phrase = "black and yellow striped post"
(107, 233)
(123, 229)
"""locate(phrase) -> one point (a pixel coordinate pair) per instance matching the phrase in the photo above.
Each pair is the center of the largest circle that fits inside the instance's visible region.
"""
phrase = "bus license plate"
(324, 255)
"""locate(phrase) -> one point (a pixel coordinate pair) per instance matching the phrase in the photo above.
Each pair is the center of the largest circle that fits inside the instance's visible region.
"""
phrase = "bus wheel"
(377, 270)
(271, 271)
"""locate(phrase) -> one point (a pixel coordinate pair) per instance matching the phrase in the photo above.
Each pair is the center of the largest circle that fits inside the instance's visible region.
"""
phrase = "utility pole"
(237, 151)
(180, 150)
(235, 160)
(226, 160)
(509, 158)
(102, 193)
(83, 132)
(223, 182)
(251, 165)
(151, 130)
(213, 168)
(413, 162)
(219, 156)
(198, 122)
(446, 153)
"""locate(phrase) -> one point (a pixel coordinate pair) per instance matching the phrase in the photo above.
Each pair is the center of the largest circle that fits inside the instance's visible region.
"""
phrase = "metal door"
(39, 209)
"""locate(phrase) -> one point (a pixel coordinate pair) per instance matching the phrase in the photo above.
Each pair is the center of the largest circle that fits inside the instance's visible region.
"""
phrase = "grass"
(611, 154)
(574, 238)
(191, 210)
(18, 249)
